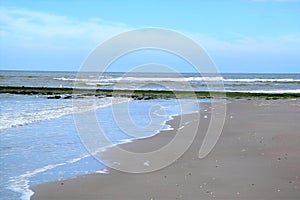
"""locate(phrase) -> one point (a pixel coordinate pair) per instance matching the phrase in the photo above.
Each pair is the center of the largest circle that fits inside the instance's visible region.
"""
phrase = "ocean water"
(38, 137)
(268, 83)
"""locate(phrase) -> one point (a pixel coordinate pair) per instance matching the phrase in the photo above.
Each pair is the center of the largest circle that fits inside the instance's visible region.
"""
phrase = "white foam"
(168, 79)
(280, 80)
(206, 79)
(105, 171)
(98, 84)
(181, 79)
(76, 79)
(9, 120)
(268, 91)
(88, 80)
(20, 184)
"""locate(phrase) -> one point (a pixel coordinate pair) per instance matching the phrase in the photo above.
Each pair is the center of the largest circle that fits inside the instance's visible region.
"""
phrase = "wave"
(98, 84)
(182, 79)
(152, 79)
(10, 120)
(296, 91)
(280, 80)
(88, 80)
(20, 184)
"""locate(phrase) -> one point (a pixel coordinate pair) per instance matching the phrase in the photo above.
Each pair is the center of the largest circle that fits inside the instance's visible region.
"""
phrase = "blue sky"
(240, 36)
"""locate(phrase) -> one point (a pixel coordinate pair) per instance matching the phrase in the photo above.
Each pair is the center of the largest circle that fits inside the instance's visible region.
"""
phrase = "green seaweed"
(142, 94)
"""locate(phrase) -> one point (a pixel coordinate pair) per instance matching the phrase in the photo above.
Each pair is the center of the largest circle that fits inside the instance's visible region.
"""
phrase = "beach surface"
(256, 157)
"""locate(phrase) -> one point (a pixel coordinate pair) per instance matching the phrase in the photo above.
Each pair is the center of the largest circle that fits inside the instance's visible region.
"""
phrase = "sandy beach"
(256, 157)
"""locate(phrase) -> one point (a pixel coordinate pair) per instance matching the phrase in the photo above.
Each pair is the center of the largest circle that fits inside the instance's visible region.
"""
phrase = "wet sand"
(256, 157)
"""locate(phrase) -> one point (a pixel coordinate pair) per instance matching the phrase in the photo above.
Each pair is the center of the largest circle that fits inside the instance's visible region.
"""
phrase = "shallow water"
(40, 143)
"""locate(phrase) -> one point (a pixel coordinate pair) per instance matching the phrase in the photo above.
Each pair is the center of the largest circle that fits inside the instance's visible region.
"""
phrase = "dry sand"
(256, 157)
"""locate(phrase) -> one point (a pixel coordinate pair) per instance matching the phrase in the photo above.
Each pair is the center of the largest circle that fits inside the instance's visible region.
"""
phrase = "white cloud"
(241, 43)
(31, 27)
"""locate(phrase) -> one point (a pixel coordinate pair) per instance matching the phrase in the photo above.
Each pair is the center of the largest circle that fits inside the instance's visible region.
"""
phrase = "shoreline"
(255, 158)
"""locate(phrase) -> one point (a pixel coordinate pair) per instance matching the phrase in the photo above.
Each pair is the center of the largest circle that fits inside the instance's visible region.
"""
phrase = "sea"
(39, 142)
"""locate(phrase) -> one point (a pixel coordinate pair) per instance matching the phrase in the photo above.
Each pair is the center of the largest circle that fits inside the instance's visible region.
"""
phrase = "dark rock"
(147, 98)
(54, 97)
(68, 97)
